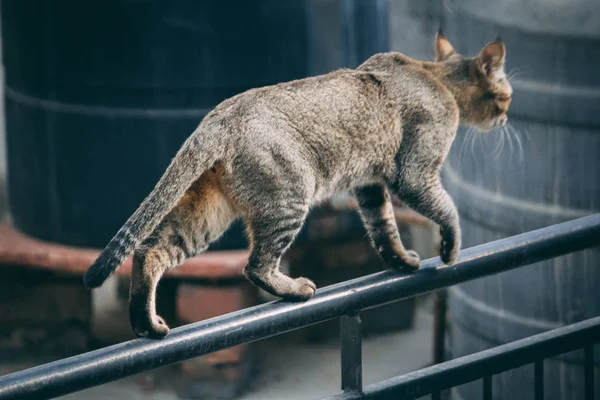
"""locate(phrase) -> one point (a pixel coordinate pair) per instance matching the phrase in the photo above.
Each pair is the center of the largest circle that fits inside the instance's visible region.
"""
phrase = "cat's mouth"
(500, 120)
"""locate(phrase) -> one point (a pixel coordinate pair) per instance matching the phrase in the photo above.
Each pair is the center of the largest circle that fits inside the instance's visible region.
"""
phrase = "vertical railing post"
(487, 387)
(538, 368)
(588, 371)
(439, 326)
(351, 357)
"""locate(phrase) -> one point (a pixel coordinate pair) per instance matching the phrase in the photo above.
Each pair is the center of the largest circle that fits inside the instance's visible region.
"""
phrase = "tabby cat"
(269, 154)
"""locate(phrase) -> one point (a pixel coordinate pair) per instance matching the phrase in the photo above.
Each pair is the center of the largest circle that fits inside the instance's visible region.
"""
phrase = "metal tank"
(100, 95)
(548, 174)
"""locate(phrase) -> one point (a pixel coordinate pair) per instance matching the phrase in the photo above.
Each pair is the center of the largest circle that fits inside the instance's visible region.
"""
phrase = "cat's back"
(334, 123)
(320, 98)
(333, 95)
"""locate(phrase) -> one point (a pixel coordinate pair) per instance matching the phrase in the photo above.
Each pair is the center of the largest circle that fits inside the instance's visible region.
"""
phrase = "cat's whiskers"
(500, 145)
(525, 131)
(462, 147)
(503, 145)
(513, 75)
(515, 133)
(473, 142)
(510, 145)
(516, 72)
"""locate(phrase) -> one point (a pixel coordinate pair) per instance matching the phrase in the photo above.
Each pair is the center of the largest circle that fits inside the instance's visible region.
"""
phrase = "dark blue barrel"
(553, 54)
(100, 95)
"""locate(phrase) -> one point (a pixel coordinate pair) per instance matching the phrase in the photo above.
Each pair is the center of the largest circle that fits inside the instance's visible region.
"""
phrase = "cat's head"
(479, 84)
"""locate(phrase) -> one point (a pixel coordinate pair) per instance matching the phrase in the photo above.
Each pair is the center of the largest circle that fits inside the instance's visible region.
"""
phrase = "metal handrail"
(114, 362)
(484, 364)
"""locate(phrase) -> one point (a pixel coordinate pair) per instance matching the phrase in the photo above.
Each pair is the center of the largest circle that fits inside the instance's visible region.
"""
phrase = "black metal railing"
(345, 300)
(483, 365)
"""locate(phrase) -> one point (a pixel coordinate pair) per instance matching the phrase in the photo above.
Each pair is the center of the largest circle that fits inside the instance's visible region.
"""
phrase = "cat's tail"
(196, 155)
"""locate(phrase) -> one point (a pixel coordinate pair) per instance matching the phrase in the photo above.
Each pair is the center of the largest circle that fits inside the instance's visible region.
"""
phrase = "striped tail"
(191, 161)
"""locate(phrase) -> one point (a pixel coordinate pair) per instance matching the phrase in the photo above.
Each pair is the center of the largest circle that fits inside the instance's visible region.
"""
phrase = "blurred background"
(99, 95)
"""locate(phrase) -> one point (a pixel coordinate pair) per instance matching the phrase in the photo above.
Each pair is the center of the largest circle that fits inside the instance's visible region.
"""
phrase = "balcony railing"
(346, 300)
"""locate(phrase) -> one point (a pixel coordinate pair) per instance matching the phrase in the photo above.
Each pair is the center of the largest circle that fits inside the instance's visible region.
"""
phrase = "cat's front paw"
(450, 245)
(412, 259)
(401, 260)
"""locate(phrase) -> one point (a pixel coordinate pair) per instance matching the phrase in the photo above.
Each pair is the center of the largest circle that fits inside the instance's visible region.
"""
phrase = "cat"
(269, 154)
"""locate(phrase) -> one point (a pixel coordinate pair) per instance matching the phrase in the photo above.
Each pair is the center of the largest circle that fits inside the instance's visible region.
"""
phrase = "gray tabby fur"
(270, 154)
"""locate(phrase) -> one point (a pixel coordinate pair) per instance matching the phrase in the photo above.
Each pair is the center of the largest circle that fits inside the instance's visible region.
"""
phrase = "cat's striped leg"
(150, 261)
(377, 214)
(427, 196)
(272, 230)
(201, 217)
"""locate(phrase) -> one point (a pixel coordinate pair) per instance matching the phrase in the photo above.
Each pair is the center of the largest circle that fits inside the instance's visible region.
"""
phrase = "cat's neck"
(448, 76)
(444, 74)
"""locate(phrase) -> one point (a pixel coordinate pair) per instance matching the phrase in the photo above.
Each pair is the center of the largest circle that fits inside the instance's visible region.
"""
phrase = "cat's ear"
(491, 58)
(443, 48)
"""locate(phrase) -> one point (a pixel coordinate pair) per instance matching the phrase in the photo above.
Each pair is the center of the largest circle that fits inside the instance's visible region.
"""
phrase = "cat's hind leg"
(202, 215)
(272, 231)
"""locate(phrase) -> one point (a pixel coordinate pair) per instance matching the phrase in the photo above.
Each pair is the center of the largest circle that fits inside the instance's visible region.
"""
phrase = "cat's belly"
(327, 189)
